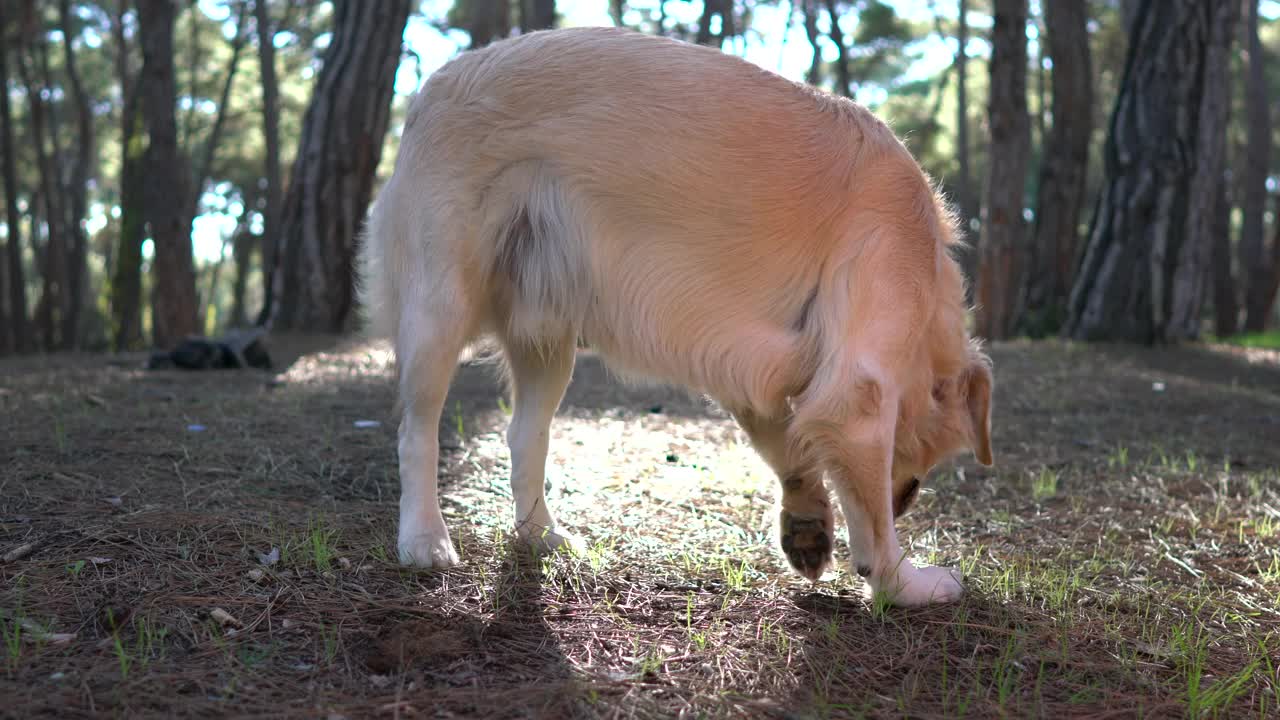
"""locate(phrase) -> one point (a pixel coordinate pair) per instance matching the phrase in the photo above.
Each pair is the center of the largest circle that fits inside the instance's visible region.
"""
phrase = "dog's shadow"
(858, 657)
(467, 658)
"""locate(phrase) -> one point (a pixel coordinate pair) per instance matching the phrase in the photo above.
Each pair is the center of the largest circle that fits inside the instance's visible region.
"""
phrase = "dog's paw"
(807, 543)
(928, 585)
(549, 540)
(427, 551)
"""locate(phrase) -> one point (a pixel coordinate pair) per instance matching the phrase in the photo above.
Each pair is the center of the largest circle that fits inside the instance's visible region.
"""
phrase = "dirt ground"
(222, 544)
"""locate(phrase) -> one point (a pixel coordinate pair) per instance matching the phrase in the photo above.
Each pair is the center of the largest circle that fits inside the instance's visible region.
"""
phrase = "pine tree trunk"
(814, 75)
(78, 192)
(1143, 273)
(1063, 172)
(1225, 309)
(844, 81)
(126, 278)
(1191, 274)
(17, 282)
(271, 131)
(53, 254)
(242, 253)
(1255, 269)
(167, 180)
(966, 192)
(541, 15)
(1003, 226)
(488, 20)
(333, 175)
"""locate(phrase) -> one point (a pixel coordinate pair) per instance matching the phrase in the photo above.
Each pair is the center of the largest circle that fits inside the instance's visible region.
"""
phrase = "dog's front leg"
(863, 481)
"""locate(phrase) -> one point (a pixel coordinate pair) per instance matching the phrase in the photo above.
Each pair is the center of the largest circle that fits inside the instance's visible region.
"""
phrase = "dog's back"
(675, 205)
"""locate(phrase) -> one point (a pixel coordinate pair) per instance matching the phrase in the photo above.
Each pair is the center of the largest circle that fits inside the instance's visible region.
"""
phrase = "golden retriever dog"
(700, 222)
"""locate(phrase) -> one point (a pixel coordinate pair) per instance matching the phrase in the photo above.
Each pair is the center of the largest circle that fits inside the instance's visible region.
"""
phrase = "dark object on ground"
(237, 349)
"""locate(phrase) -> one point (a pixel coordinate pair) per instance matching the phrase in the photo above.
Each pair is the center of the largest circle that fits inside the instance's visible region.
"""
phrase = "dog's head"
(958, 418)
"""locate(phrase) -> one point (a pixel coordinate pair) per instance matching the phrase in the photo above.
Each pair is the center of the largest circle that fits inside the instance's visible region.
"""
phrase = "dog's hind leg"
(806, 525)
(539, 376)
(432, 335)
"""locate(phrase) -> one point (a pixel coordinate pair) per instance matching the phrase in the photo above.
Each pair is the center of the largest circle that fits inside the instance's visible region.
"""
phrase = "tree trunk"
(126, 281)
(965, 192)
(1275, 260)
(541, 15)
(78, 192)
(205, 170)
(1003, 227)
(17, 282)
(844, 83)
(242, 253)
(49, 307)
(814, 75)
(1225, 309)
(1142, 275)
(487, 20)
(710, 9)
(271, 131)
(1255, 269)
(1063, 172)
(1191, 273)
(173, 302)
(333, 175)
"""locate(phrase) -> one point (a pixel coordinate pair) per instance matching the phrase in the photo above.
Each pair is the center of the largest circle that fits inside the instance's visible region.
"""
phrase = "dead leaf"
(224, 618)
(20, 552)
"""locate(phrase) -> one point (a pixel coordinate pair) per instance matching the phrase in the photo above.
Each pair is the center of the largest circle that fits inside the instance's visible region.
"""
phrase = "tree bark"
(17, 283)
(844, 82)
(333, 175)
(1226, 312)
(1142, 275)
(78, 192)
(814, 75)
(541, 15)
(242, 253)
(126, 281)
(1063, 170)
(173, 302)
(710, 9)
(271, 131)
(205, 170)
(53, 254)
(1255, 269)
(965, 192)
(1003, 226)
(1191, 275)
(487, 20)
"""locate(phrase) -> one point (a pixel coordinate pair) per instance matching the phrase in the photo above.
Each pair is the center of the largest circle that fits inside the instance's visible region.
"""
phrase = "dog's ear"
(978, 400)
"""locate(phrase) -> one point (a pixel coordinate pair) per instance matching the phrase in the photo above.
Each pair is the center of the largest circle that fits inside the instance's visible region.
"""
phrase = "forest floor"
(222, 543)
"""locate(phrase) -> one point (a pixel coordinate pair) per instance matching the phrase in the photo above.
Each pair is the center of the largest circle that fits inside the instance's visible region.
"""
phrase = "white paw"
(427, 551)
(549, 539)
(928, 585)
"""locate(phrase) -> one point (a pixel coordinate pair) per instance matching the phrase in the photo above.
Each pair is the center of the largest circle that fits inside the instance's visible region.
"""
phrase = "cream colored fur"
(701, 222)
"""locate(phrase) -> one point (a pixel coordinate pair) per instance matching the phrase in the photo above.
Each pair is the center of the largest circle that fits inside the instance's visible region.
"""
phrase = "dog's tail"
(376, 280)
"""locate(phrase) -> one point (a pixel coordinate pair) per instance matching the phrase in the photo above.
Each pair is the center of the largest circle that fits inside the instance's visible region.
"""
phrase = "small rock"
(256, 575)
(270, 558)
(364, 424)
